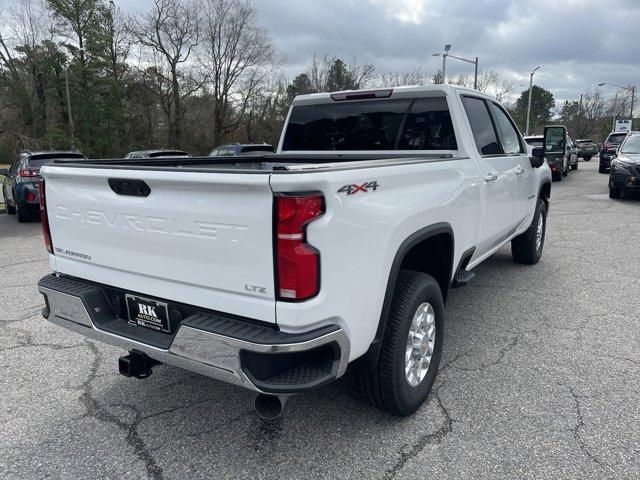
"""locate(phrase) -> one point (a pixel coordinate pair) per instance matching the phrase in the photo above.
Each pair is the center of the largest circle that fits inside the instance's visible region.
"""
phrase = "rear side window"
(508, 133)
(407, 124)
(428, 126)
(481, 125)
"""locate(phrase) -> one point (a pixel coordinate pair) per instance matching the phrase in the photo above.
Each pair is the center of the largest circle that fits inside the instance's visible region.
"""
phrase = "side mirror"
(4, 172)
(555, 140)
(537, 157)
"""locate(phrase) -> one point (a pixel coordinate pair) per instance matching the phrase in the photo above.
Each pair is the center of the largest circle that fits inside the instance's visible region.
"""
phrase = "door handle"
(519, 170)
(491, 177)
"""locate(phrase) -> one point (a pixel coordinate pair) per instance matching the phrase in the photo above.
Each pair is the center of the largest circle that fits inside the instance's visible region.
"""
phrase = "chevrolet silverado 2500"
(276, 272)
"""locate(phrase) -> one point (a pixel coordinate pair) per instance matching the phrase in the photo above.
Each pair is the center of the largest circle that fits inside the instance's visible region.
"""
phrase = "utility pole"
(475, 76)
(529, 102)
(70, 116)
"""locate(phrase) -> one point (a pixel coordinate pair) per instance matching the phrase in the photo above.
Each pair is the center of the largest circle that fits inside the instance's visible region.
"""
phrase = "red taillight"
(28, 172)
(298, 263)
(44, 220)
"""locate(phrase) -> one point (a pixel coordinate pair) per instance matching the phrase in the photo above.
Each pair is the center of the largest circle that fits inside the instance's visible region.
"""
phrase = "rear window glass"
(168, 153)
(616, 138)
(407, 124)
(41, 160)
(257, 148)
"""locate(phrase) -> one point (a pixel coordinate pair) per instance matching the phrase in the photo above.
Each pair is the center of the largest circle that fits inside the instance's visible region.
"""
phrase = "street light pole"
(444, 67)
(631, 89)
(444, 54)
(529, 102)
(71, 129)
(475, 76)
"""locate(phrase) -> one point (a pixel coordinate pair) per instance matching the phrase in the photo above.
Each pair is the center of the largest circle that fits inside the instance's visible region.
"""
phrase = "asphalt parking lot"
(540, 378)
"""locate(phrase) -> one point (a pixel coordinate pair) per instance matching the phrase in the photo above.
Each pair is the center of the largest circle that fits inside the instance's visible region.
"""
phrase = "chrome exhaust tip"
(269, 407)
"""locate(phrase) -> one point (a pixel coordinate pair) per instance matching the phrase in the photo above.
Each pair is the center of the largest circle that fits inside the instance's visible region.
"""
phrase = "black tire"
(587, 159)
(11, 210)
(22, 212)
(557, 177)
(614, 192)
(574, 167)
(523, 247)
(602, 169)
(385, 385)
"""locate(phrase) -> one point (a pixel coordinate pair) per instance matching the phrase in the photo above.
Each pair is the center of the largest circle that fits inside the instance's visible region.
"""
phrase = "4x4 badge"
(364, 188)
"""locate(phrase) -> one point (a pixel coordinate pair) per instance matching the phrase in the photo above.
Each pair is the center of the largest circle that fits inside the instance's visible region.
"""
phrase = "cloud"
(578, 43)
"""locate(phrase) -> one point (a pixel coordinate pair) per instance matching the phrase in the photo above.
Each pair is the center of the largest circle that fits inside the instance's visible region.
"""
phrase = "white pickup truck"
(274, 273)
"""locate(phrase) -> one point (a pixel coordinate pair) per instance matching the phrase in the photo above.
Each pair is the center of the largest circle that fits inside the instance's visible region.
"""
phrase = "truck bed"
(273, 163)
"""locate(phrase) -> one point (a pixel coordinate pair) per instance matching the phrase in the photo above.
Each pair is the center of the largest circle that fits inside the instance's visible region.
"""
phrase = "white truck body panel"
(198, 238)
(206, 238)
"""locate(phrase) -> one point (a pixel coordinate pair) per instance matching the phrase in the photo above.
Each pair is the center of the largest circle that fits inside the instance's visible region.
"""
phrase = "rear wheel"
(586, 159)
(527, 247)
(574, 166)
(408, 362)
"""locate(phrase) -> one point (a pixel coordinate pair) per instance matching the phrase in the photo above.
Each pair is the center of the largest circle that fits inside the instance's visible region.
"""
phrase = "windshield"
(405, 124)
(616, 138)
(631, 145)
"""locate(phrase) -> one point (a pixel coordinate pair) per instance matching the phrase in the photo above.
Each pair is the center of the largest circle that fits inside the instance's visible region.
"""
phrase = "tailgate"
(199, 238)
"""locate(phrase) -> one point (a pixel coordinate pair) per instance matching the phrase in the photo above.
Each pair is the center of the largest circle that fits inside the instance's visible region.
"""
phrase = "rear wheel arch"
(438, 241)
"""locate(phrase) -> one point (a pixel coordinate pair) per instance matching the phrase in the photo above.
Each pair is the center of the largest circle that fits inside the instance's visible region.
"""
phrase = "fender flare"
(371, 356)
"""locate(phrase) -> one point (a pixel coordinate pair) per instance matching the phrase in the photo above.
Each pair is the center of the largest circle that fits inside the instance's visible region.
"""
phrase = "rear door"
(199, 238)
(497, 171)
(515, 151)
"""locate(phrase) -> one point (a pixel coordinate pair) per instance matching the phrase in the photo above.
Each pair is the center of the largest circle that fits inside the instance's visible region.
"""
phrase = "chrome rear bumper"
(206, 352)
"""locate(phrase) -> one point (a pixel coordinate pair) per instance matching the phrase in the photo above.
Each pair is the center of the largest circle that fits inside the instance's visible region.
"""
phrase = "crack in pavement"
(579, 425)
(23, 263)
(95, 410)
(435, 438)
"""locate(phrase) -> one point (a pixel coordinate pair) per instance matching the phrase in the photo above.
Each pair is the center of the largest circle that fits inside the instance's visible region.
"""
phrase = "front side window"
(508, 133)
(398, 124)
(481, 125)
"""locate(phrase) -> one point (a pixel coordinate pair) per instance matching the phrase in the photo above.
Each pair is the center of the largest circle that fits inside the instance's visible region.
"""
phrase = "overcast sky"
(578, 43)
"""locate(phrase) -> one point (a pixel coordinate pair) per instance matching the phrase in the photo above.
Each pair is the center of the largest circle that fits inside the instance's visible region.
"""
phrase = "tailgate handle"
(130, 187)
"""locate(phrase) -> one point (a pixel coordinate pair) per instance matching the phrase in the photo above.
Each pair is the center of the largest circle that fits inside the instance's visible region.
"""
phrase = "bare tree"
(170, 32)
(238, 56)
(396, 79)
(332, 73)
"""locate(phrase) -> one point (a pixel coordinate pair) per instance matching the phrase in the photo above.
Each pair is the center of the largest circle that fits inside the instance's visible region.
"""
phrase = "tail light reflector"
(297, 262)
(44, 219)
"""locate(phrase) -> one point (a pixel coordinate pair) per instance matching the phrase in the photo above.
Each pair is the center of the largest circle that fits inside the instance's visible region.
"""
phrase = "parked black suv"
(625, 167)
(609, 149)
(236, 149)
(20, 185)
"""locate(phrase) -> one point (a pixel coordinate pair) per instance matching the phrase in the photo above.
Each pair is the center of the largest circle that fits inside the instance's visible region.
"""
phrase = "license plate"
(148, 313)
